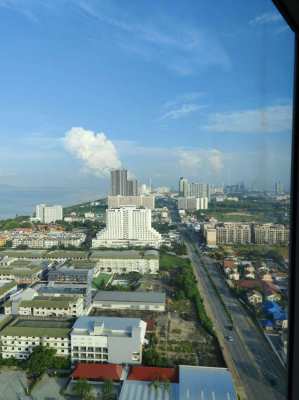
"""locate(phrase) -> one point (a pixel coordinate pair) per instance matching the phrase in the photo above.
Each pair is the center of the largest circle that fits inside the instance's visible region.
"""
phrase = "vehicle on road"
(229, 338)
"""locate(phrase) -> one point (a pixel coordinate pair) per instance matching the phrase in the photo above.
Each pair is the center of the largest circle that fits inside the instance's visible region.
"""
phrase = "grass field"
(168, 261)
(100, 279)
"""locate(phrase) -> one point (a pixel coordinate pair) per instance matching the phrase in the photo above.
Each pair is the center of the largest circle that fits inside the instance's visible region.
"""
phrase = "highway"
(261, 374)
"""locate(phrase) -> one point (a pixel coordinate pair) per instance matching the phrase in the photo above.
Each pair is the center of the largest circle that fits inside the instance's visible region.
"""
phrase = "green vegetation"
(151, 356)
(83, 389)
(260, 252)
(5, 288)
(100, 281)
(183, 279)
(180, 249)
(248, 210)
(13, 223)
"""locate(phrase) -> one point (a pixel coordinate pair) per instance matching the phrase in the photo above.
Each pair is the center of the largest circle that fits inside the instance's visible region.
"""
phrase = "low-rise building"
(70, 274)
(108, 339)
(122, 262)
(254, 297)
(20, 336)
(271, 234)
(6, 289)
(116, 300)
(52, 306)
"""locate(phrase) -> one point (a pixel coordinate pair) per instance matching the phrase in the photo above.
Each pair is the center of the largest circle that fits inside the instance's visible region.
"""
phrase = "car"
(230, 327)
(229, 338)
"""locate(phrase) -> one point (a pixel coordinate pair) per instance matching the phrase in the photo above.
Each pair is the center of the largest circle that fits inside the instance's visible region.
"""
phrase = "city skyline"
(210, 101)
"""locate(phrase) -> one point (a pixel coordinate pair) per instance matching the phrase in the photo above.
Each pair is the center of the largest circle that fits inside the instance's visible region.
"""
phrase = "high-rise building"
(278, 188)
(183, 187)
(199, 190)
(128, 226)
(137, 201)
(118, 182)
(193, 203)
(132, 187)
(47, 214)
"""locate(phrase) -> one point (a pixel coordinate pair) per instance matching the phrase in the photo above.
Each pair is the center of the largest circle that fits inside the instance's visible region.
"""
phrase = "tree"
(82, 389)
(40, 360)
(107, 390)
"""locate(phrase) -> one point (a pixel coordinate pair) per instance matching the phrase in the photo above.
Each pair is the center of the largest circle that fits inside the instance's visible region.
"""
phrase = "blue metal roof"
(142, 390)
(205, 383)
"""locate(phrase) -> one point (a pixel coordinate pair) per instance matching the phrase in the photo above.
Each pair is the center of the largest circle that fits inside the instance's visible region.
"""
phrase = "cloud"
(20, 7)
(273, 119)
(194, 160)
(266, 18)
(96, 151)
(184, 51)
(181, 111)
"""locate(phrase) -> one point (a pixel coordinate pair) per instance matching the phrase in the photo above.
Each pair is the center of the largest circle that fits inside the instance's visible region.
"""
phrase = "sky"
(201, 89)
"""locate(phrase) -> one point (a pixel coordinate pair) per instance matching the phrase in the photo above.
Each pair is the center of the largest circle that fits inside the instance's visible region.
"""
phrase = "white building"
(116, 300)
(47, 214)
(193, 203)
(127, 226)
(123, 262)
(108, 339)
(52, 306)
(137, 201)
(20, 336)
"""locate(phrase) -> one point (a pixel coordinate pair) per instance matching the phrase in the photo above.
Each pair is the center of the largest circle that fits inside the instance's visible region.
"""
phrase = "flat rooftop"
(49, 301)
(124, 254)
(23, 253)
(138, 297)
(110, 326)
(71, 254)
(37, 328)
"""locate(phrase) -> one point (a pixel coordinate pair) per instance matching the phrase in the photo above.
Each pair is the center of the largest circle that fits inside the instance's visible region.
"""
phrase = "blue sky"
(174, 88)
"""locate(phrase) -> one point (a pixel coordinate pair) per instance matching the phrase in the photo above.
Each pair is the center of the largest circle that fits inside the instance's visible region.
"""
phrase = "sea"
(22, 201)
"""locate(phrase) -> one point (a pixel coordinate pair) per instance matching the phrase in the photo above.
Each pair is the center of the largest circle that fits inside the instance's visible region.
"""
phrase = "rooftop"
(143, 390)
(117, 296)
(205, 383)
(97, 372)
(141, 373)
(37, 328)
(67, 254)
(124, 254)
(49, 301)
(107, 326)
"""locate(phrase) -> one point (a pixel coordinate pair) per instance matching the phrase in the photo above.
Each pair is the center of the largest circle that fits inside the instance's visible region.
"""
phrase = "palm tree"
(107, 390)
(82, 389)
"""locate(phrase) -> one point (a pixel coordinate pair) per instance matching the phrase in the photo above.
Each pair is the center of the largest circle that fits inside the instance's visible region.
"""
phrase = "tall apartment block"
(47, 214)
(128, 226)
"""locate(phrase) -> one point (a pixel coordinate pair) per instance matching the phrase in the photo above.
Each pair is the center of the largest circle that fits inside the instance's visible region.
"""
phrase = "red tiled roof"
(140, 373)
(249, 284)
(97, 372)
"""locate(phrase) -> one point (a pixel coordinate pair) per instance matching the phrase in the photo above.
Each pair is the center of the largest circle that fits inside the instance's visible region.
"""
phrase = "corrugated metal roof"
(147, 297)
(205, 383)
(141, 390)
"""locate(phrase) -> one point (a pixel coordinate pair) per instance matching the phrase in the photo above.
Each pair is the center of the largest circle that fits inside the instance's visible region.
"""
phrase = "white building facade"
(127, 226)
(108, 340)
(48, 214)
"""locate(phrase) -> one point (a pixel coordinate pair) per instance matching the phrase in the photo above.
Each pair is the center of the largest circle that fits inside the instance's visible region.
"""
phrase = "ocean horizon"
(22, 201)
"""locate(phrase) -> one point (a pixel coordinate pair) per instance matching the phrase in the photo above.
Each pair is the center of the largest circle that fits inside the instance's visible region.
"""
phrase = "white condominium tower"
(127, 226)
(47, 214)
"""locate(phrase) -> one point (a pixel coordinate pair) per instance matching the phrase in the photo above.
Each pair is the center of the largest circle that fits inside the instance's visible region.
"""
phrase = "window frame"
(289, 9)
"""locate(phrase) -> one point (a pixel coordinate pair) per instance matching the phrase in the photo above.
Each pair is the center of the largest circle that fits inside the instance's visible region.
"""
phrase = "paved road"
(255, 361)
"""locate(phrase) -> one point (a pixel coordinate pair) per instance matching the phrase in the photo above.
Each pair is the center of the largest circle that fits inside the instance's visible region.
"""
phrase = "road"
(252, 356)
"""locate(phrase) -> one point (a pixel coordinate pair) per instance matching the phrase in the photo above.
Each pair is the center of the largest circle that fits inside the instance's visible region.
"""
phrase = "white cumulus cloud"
(97, 152)
(273, 119)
